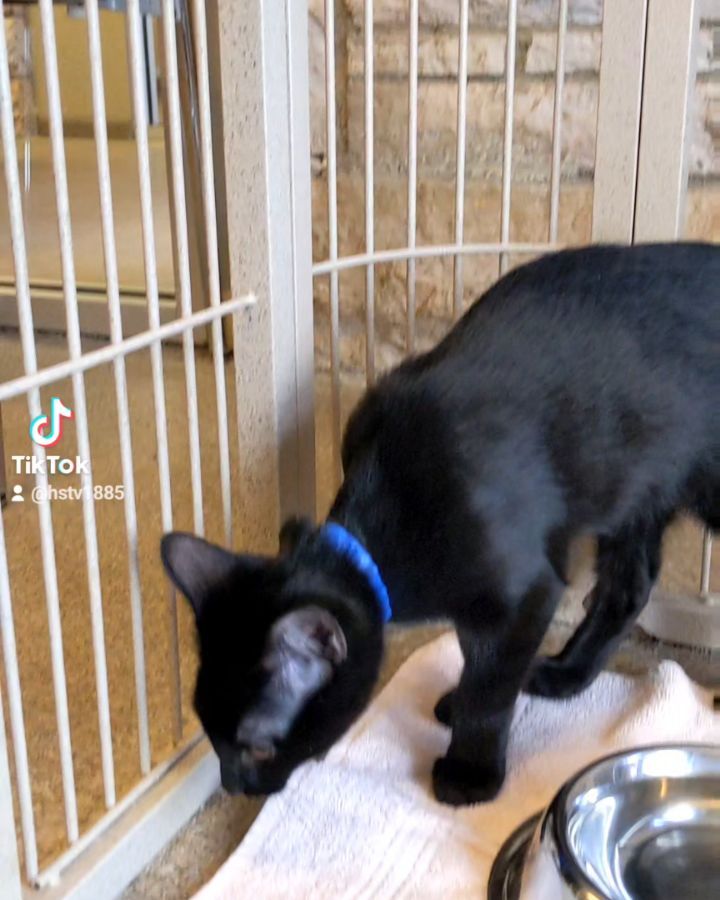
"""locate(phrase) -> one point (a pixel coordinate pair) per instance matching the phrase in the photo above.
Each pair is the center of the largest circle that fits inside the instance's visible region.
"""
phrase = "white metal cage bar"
(557, 122)
(17, 722)
(47, 543)
(304, 496)
(113, 299)
(138, 34)
(9, 860)
(41, 377)
(139, 104)
(80, 409)
(173, 112)
(458, 283)
(705, 566)
(412, 170)
(331, 137)
(510, 48)
(369, 196)
(328, 266)
(211, 243)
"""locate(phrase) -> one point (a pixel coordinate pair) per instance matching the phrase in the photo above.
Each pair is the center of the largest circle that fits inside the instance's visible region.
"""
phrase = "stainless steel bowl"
(640, 825)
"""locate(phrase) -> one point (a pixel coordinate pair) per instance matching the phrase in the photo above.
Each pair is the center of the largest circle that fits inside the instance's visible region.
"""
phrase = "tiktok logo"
(45, 430)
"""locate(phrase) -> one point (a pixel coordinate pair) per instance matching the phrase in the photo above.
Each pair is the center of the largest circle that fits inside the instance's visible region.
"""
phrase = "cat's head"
(289, 652)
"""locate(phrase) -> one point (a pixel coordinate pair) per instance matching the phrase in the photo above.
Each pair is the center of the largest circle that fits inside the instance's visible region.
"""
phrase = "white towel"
(363, 823)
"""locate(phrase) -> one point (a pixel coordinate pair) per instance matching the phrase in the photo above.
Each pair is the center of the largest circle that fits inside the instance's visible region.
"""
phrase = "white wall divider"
(266, 156)
(673, 30)
(618, 130)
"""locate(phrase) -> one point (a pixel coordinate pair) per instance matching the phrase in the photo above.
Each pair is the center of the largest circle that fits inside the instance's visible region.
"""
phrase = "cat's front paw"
(460, 783)
(555, 681)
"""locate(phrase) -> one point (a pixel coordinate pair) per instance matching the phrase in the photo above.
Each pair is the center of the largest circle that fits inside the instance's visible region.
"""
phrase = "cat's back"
(660, 294)
(593, 338)
(602, 364)
(590, 318)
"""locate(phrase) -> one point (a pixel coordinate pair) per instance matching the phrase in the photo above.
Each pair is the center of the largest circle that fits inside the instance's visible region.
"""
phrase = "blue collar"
(349, 547)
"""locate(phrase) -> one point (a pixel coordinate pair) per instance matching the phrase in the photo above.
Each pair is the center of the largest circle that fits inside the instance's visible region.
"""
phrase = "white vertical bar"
(151, 286)
(208, 191)
(557, 122)
(81, 422)
(706, 563)
(12, 675)
(27, 63)
(460, 158)
(172, 99)
(172, 110)
(369, 197)
(27, 338)
(148, 31)
(302, 449)
(121, 393)
(412, 169)
(673, 28)
(332, 232)
(508, 140)
(9, 862)
(618, 124)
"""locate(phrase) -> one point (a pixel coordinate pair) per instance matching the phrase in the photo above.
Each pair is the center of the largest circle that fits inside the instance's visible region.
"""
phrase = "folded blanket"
(363, 822)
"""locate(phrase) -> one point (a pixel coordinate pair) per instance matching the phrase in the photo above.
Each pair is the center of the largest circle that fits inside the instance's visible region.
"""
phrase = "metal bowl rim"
(514, 849)
(555, 814)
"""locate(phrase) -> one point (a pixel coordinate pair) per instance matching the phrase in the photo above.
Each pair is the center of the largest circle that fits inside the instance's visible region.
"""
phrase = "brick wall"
(437, 97)
(21, 83)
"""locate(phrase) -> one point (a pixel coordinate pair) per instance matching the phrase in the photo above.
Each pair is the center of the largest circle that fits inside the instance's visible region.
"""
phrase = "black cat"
(581, 394)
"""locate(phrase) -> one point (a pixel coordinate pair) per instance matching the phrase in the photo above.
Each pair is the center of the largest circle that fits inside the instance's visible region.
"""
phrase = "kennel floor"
(41, 233)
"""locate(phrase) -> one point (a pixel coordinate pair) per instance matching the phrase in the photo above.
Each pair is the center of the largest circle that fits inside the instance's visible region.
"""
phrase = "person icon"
(17, 496)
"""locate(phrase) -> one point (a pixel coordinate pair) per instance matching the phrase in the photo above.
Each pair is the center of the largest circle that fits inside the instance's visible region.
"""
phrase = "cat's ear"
(292, 531)
(195, 565)
(303, 649)
(307, 634)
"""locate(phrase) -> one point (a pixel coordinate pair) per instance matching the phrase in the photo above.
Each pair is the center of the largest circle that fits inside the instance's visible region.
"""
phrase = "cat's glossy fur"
(580, 395)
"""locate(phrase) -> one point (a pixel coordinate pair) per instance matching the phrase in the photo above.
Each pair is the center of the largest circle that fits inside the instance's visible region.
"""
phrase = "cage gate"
(264, 292)
(238, 131)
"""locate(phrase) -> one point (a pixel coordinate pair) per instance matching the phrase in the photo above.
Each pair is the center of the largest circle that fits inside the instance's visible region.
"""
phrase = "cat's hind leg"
(628, 564)
(707, 503)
